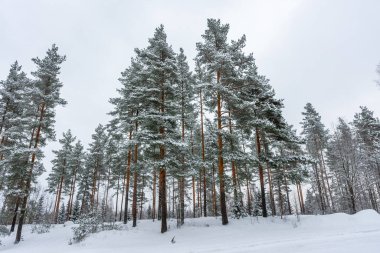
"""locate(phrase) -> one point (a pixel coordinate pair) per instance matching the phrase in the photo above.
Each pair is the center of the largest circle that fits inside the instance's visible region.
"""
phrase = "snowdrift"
(330, 233)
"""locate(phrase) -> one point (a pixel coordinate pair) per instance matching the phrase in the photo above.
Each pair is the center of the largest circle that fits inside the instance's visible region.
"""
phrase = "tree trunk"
(162, 177)
(269, 174)
(203, 157)
(128, 175)
(142, 196)
(249, 204)
(71, 195)
(134, 196)
(200, 193)
(261, 174)
(214, 191)
(287, 196)
(15, 215)
(29, 177)
(223, 207)
(122, 196)
(60, 191)
(117, 197)
(154, 194)
(281, 202)
(234, 181)
(162, 190)
(194, 199)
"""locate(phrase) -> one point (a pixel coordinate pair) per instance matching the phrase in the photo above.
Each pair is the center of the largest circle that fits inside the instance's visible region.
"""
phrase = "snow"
(336, 233)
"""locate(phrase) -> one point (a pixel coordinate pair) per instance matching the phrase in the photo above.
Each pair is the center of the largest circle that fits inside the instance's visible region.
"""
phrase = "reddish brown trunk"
(134, 197)
(72, 192)
(142, 196)
(93, 189)
(302, 200)
(203, 157)
(214, 191)
(234, 180)
(58, 199)
(194, 200)
(200, 194)
(29, 177)
(223, 207)
(162, 177)
(15, 215)
(117, 197)
(134, 200)
(122, 197)
(162, 190)
(261, 174)
(128, 175)
(154, 194)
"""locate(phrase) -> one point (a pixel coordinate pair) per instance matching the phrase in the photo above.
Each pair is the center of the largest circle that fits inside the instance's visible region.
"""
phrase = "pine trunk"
(14, 219)
(203, 156)
(117, 197)
(29, 177)
(214, 191)
(72, 192)
(223, 207)
(162, 190)
(194, 199)
(134, 196)
(128, 175)
(261, 174)
(154, 194)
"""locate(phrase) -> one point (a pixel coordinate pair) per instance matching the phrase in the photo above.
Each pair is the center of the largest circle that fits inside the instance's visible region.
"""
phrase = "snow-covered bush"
(4, 231)
(41, 228)
(90, 223)
(238, 212)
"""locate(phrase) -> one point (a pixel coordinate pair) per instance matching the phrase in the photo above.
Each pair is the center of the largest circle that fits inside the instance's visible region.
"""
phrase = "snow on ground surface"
(330, 233)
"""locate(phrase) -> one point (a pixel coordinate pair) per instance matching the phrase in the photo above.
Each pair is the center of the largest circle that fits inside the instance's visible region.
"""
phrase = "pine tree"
(220, 59)
(40, 210)
(14, 136)
(186, 97)
(75, 166)
(315, 136)
(76, 210)
(342, 160)
(45, 96)
(96, 164)
(62, 214)
(158, 110)
(59, 178)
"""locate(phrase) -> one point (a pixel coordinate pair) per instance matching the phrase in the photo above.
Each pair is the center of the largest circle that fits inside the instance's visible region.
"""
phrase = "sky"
(324, 52)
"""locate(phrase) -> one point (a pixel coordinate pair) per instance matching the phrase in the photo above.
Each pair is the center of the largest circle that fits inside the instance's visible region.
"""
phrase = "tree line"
(180, 144)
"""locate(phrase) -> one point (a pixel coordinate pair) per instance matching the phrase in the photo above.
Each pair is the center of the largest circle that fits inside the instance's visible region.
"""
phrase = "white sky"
(324, 52)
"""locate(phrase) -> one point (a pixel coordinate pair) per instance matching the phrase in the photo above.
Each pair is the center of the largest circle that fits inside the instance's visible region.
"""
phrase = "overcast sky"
(324, 52)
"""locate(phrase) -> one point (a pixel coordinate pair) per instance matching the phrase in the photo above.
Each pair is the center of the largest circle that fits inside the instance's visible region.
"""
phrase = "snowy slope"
(331, 233)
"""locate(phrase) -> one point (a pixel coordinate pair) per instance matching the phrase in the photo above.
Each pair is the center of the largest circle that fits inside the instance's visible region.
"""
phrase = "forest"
(181, 144)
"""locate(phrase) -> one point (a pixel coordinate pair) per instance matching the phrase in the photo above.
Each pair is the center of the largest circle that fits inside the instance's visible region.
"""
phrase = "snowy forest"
(182, 143)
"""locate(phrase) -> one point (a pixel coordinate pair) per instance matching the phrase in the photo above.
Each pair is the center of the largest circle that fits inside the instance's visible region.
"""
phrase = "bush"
(88, 223)
(4, 231)
(41, 228)
(91, 223)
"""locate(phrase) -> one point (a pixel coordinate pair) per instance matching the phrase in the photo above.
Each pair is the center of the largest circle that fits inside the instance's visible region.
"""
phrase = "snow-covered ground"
(331, 233)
